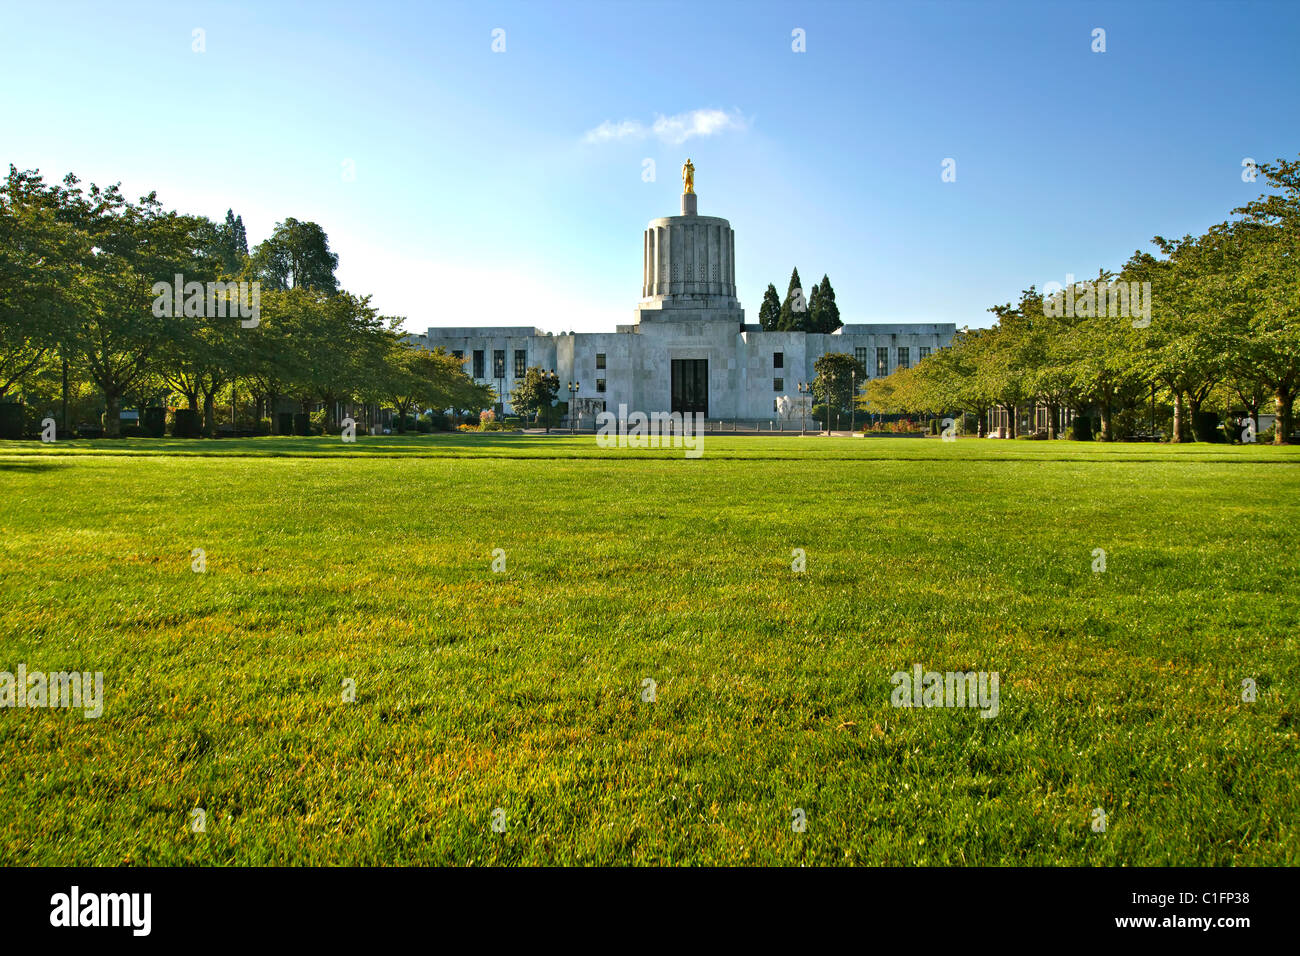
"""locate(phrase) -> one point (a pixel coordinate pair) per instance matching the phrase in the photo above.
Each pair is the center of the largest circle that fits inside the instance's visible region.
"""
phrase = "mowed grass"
(523, 690)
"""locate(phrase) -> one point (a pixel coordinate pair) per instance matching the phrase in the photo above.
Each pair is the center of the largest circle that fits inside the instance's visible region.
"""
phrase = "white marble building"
(688, 347)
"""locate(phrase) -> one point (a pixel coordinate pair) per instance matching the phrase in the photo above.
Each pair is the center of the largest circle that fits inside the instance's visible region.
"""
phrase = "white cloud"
(673, 130)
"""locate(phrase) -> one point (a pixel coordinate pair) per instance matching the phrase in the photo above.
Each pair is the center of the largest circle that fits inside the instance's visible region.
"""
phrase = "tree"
(1268, 328)
(838, 377)
(39, 252)
(769, 312)
(411, 378)
(536, 391)
(793, 316)
(120, 334)
(827, 317)
(297, 255)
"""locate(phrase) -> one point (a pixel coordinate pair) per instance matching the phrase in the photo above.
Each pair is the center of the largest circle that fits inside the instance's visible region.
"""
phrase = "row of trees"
(1208, 322)
(813, 310)
(79, 310)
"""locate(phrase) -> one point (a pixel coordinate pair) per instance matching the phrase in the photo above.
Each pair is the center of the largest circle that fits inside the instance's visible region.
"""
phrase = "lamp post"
(853, 399)
(830, 397)
(552, 388)
(573, 392)
(804, 389)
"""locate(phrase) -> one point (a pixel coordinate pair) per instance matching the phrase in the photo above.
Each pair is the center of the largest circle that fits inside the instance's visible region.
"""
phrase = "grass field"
(522, 690)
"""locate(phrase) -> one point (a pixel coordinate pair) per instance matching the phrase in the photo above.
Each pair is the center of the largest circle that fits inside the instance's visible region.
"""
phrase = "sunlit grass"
(522, 690)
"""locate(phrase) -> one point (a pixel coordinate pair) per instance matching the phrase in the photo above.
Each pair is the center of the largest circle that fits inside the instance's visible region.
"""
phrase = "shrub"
(11, 420)
(154, 421)
(134, 431)
(186, 423)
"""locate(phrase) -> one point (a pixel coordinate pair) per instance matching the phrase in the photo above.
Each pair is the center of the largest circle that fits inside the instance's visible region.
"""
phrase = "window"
(904, 357)
(600, 385)
(923, 353)
(498, 363)
(778, 385)
(458, 355)
(860, 353)
(521, 362)
(600, 360)
(778, 360)
(882, 361)
(478, 363)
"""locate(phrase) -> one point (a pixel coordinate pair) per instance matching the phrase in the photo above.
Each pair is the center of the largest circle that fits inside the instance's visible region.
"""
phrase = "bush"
(11, 420)
(1081, 428)
(284, 423)
(134, 431)
(317, 422)
(187, 423)
(1205, 427)
(263, 427)
(438, 422)
(85, 430)
(154, 421)
(301, 423)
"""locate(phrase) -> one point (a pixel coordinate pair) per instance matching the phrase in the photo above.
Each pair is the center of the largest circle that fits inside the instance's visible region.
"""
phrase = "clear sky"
(495, 188)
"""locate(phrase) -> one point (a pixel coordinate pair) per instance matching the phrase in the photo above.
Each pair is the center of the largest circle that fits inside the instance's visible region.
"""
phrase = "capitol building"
(688, 347)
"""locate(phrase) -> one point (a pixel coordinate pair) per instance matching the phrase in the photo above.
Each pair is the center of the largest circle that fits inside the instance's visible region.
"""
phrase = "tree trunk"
(209, 417)
(1283, 399)
(1013, 421)
(112, 415)
(1180, 418)
(1052, 428)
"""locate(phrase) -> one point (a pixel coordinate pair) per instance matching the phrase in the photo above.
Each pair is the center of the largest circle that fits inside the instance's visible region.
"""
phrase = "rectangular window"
(600, 385)
(882, 361)
(923, 353)
(904, 357)
(498, 363)
(478, 364)
(521, 362)
(600, 360)
(860, 353)
(778, 385)
(458, 355)
(778, 360)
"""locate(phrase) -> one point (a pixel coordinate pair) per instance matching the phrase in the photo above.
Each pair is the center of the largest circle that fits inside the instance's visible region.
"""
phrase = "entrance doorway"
(691, 386)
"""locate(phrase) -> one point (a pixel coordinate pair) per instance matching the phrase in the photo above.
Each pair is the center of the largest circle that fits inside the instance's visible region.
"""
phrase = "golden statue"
(688, 176)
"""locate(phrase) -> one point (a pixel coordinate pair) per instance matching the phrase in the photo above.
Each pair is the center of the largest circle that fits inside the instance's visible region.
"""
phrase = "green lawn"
(522, 690)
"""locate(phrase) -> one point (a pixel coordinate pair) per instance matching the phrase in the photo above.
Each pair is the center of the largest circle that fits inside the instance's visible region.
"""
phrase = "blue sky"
(480, 194)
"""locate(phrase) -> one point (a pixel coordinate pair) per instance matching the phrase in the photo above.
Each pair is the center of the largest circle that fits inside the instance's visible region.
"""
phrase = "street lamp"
(804, 389)
(830, 397)
(573, 392)
(552, 387)
(853, 399)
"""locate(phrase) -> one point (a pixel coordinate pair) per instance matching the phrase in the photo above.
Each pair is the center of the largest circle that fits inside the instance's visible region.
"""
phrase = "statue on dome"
(688, 176)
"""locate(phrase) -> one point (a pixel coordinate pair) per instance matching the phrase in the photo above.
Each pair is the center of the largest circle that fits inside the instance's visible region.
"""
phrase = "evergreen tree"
(794, 310)
(811, 317)
(770, 311)
(828, 315)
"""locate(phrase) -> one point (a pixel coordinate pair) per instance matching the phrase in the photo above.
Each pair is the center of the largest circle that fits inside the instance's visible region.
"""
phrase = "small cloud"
(673, 130)
(608, 132)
